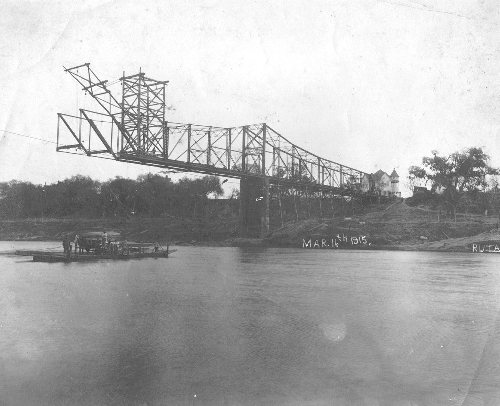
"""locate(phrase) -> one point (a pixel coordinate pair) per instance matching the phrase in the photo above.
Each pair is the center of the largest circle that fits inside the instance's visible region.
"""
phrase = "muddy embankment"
(397, 226)
(165, 229)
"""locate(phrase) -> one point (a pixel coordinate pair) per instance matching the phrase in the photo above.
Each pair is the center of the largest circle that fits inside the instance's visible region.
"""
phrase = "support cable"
(27, 136)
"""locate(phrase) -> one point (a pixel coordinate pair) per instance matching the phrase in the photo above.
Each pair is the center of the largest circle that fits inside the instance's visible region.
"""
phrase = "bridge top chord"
(135, 129)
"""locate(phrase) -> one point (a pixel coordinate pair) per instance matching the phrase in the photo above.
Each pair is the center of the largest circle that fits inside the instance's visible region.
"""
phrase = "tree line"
(149, 195)
(463, 180)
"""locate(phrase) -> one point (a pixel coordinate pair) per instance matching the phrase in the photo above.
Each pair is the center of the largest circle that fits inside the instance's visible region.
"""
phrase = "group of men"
(68, 245)
(99, 245)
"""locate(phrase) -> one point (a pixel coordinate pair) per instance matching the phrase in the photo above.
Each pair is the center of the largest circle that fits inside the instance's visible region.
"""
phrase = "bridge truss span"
(134, 129)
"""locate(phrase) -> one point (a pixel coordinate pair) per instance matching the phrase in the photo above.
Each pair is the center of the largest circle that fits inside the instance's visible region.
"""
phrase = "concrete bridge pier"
(254, 207)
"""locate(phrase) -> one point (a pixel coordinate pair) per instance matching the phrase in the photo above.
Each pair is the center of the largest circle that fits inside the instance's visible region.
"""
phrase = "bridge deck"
(135, 130)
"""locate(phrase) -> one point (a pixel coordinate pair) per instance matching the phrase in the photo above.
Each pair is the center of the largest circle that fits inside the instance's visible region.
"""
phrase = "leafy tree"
(459, 172)
(155, 193)
(119, 197)
(192, 194)
(16, 198)
(149, 195)
(416, 174)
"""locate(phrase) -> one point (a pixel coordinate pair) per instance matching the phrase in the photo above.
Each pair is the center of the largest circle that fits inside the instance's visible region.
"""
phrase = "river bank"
(171, 229)
(394, 227)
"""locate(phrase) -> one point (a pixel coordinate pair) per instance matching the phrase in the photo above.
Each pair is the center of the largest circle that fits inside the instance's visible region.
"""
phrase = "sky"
(372, 84)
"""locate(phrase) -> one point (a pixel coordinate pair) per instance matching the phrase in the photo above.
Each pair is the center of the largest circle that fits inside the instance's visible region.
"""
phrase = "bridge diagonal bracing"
(134, 128)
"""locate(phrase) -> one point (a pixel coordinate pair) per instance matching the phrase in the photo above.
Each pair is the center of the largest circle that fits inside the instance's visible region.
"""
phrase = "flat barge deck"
(30, 253)
(59, 257)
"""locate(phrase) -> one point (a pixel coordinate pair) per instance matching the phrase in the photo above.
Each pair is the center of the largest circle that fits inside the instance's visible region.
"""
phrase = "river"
(241, 326)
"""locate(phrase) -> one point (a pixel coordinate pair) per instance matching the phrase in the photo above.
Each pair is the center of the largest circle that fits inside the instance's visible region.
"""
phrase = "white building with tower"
(382, 183)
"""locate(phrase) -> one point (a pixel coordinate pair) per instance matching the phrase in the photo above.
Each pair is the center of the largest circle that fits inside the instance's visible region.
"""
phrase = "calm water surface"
(229, 326)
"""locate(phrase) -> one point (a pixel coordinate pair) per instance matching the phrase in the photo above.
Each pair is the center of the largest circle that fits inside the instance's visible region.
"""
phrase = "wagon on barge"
(93, 246)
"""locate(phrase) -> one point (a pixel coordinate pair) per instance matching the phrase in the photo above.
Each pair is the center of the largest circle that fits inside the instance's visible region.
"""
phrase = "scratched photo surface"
(221, 202)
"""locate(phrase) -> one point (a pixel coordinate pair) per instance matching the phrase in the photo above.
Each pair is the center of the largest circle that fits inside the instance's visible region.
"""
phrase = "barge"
(84, 257)
(95, 246)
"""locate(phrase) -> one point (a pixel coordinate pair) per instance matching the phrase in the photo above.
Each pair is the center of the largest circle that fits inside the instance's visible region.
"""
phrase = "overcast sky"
(373, 84)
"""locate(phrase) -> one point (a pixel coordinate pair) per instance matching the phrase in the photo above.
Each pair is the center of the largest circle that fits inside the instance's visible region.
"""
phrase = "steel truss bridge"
(133, 128)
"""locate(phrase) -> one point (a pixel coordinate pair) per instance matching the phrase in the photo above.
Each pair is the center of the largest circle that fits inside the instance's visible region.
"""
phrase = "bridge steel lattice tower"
(136, 130)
